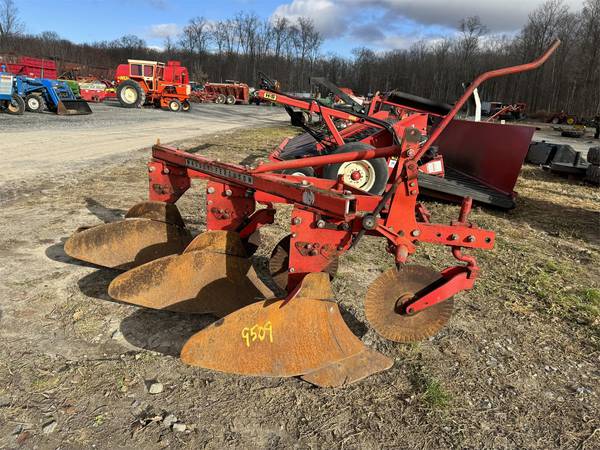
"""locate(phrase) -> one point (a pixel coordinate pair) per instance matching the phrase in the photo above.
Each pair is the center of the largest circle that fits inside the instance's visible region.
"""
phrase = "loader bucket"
(151, 230)
(211, 276)
(303, 335)
(73, 108)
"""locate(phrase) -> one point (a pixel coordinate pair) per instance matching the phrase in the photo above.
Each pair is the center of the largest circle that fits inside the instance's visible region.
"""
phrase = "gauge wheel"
(220, 99)
(301, 172)
(186, 106)
(366, 175)
(230, 100)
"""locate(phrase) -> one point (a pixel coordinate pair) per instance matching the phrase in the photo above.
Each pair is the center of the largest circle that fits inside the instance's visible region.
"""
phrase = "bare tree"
(196, 35)
(10, 24)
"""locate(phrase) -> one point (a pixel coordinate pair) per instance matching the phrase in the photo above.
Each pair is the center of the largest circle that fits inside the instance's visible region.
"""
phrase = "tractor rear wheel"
(220, 99)
(16, 106)
(130, 94)
(230, 100)
(174, 105)
(186, 106)
(34, 103)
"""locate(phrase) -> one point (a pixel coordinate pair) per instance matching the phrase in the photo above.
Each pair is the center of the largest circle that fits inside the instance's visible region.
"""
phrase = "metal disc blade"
(198, 282)
(127, 243)
(277, 338)
(161, 211)
(349, 370)
(386, 295)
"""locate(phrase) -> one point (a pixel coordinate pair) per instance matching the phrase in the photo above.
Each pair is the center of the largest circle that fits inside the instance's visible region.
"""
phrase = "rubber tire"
(220, 99)
(592, 174)
(18, 106)
(41, 105)
(141, 95)
(230, 100)
(302, 172)
(593, 156)
(379, 165)
(174, 105)
(186, 106)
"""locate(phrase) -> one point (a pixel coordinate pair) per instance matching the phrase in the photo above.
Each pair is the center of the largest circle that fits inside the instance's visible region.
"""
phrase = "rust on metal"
(393, 289)
(350, 370)
(280, 260)
(219, 241)
(198, 282)
(161, 211)
(127, 243)
(279, 338)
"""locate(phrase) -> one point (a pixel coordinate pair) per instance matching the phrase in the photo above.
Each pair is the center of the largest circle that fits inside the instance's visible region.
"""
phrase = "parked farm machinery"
(140, 83)
(10, 100)
(229, 93)
(38, 94)
(302, 333)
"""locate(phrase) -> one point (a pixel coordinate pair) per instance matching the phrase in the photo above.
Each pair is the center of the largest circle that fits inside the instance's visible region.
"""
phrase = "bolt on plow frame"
(301, 333)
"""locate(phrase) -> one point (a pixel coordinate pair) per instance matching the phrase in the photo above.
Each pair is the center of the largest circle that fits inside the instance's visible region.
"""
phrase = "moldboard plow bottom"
(302, 333)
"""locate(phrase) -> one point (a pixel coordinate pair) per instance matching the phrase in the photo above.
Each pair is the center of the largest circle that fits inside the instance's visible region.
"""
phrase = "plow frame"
(330, 217)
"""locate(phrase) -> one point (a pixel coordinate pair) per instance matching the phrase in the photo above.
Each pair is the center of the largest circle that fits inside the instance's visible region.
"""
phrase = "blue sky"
(345, 24)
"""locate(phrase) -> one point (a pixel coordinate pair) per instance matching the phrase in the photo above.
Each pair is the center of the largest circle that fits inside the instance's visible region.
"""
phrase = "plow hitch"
(286, 323)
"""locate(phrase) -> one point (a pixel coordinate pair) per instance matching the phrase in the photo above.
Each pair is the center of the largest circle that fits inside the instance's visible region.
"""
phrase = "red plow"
(302, 333)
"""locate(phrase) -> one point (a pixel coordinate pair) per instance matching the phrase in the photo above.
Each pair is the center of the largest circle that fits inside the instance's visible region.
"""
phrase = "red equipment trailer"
(228, 93)
(31, 67)
(303, 333)
(141, 82)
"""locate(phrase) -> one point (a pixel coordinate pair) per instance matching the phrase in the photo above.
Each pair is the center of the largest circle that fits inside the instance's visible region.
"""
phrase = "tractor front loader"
(302, 333)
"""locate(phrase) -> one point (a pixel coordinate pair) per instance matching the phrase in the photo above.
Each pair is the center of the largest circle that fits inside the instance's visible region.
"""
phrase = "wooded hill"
(237, 48)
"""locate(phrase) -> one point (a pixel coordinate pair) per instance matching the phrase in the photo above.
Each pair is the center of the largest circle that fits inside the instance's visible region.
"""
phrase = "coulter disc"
(127, 243)
(393, 289)
(281, 338)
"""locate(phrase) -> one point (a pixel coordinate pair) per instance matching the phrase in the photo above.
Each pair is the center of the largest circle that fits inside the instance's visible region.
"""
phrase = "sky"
(344, 24)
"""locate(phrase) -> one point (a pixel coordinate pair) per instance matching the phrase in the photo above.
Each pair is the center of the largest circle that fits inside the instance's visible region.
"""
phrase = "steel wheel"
(358, 174)
(174, 105)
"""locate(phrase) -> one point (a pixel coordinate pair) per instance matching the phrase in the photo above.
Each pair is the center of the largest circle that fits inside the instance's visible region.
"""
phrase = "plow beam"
(151, 230)
(212, 276)
(303, 335)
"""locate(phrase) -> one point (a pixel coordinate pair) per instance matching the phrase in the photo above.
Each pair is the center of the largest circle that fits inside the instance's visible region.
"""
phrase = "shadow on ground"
(557, 220)
(56, 252)
(102, 212)
(162, 331)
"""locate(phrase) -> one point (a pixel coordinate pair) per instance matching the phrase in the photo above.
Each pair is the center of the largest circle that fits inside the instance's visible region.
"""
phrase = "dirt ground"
(518, 365)
(110, 131)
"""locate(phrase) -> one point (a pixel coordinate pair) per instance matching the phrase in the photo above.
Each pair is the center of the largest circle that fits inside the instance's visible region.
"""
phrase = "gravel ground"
(46, 145)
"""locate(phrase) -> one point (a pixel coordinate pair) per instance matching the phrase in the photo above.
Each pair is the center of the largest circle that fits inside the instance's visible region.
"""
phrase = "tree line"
(290, 51)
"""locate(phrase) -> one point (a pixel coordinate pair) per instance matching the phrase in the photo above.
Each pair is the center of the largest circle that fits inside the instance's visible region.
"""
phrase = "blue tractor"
(56, 96)
(10, 100)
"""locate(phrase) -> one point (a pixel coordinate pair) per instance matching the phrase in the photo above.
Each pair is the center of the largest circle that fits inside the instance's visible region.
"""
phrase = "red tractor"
(153, 83)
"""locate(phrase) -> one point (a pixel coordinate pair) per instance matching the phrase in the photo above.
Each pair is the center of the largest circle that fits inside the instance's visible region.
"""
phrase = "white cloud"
(325, 14)
(163, 30)
(398, 23)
